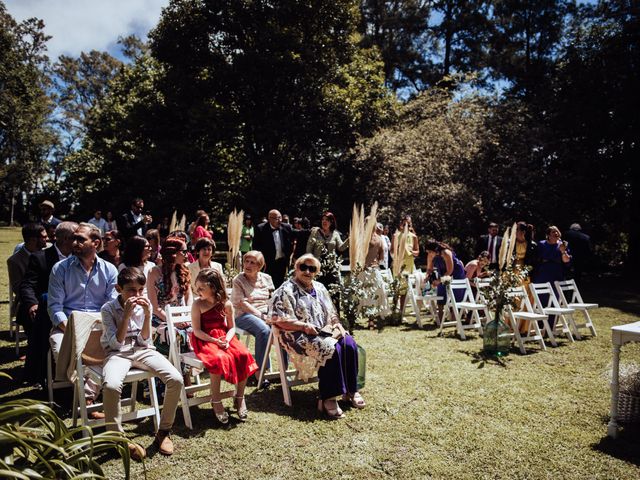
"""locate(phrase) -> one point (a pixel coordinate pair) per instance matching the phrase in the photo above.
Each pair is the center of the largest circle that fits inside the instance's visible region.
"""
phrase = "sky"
(84, 25)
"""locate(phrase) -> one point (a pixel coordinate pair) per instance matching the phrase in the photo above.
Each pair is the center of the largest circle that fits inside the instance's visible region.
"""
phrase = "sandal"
(223, 417)
(241, 407)
(356, 400)
(332, 411)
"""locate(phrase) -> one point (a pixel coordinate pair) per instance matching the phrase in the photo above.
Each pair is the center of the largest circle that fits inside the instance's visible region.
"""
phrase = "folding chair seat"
(288, 377)
(546, 303)
(90, 363)
(188, 397)
(525, 313)
(417, 299)
(569, 297)
(459, 309)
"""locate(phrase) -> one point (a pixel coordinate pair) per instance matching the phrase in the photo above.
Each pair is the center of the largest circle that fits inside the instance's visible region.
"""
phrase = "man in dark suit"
(580, 246)
(274, 239)
(491, 243)
(134, 222)
(33, 305)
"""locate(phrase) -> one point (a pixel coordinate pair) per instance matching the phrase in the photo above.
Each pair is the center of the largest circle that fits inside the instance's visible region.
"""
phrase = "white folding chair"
(417, 299)
(52, 383)
(525, 313)
(288, 377)
(373, 278)
(546, 303)
(481, 285)
(90, 364)
(460, 308)
(188, 397)
(570, 297)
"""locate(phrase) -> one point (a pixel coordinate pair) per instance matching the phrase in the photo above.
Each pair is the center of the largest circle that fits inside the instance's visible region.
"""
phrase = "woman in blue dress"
(552, 258)
(442, 259)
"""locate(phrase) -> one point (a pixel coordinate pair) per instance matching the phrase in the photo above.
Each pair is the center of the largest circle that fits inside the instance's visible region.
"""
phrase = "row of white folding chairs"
(418, 300)
(545, 304)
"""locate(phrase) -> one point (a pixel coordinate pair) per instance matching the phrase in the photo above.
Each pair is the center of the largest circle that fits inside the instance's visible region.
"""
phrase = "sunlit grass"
(436, 409)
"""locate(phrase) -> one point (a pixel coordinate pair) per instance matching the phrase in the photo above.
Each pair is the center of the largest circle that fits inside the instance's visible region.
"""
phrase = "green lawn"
(436, 409)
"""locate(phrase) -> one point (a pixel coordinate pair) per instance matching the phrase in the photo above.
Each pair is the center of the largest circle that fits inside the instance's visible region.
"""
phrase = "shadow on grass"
(626, 447)
(483, 359)
(619, 292)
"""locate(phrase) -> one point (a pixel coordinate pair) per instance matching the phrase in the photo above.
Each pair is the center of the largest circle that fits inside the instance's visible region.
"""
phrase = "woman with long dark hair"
(442, 258)
(137, 255)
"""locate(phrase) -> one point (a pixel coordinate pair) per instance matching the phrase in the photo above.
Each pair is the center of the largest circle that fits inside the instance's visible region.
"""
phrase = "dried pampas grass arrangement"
(174, 222)
(234, 236)
(399, 247)
(360, 233)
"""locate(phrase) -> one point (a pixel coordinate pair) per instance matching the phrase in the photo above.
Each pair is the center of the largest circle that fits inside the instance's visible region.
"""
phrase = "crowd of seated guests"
(131, 272)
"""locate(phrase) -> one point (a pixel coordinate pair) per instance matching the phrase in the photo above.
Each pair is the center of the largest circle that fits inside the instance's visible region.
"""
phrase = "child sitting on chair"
(215, 344)
(126, 338)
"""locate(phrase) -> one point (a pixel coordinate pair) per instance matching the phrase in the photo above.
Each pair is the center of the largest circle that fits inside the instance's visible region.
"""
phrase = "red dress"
(235, 363)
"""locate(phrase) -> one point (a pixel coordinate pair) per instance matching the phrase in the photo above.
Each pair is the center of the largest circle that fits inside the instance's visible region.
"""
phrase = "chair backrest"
(568, 292)
(175, 315)
(481, 284)
(540, 290)
(462, 284)
(93, 353)
(522, 299)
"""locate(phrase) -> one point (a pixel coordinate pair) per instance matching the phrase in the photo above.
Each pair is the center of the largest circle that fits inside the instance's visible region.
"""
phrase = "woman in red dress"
(215, 344)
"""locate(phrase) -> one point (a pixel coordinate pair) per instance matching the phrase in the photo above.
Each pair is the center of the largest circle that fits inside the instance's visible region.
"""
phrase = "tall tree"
(25, 136)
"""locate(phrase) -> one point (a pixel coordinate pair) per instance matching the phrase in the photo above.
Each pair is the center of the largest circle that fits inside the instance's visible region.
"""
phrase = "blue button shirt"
(71, 287)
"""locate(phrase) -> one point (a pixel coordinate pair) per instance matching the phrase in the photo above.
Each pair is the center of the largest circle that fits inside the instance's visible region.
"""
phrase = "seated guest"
(182, 236)
(33, 301)
(83, 282)
(35, 239)
(111, 223)
(477, 268)
(169, 284)
(126, 338)
(137, 255)
(302, 310)
(153, 237)
(202, 229)
(442, 258)
(47, 220)
(215, 344)
(112, 243)
(250, 296)
(204, 249)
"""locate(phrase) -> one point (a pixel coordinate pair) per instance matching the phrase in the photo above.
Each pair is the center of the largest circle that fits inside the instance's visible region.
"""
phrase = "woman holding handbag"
(312, 335)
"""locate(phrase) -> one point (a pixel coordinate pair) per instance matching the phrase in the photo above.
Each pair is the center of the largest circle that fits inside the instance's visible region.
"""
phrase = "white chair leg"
(265, 359)
(153, 393)
(134, 396)
(286, 390)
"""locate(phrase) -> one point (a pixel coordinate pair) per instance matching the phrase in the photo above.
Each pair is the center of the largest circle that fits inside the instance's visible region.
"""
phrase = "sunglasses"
(311, 268)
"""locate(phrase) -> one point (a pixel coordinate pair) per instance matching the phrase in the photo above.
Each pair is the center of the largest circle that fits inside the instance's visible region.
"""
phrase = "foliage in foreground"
(35, 443)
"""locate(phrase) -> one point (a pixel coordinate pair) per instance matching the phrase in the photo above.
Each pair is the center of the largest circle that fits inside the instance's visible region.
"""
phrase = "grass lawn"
(436, 409)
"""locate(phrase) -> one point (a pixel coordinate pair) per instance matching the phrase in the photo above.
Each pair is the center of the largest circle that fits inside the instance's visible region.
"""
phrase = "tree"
(25, 136)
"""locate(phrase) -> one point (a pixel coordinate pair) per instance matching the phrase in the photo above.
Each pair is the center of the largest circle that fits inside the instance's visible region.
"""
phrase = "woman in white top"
(204, 249)
(137, 255)
(252, 290)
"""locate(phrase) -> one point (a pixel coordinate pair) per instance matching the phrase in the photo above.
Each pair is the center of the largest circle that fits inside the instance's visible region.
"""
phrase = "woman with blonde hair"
(250, 296)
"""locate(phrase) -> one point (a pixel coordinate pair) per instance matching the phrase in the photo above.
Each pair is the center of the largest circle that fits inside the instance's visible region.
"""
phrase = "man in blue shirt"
(82, 282)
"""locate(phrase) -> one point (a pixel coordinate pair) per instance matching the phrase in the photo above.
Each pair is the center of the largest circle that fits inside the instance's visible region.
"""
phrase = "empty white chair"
(524, 314)
(570, 297)
(460, 308)
(546, 303)
(418, 300)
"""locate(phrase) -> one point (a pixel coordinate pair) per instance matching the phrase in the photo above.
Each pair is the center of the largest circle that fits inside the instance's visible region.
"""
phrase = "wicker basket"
(628, 408)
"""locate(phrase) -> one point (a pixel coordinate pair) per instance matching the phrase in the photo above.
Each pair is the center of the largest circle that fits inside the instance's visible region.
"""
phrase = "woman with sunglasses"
(310, 331)
(171, 283)
(137, 255)
(111, 243)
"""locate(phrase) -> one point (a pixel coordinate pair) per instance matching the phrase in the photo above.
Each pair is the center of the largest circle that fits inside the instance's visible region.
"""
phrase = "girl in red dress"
(215, 343)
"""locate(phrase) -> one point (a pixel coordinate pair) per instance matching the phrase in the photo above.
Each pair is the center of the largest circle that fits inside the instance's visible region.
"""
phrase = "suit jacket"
(483, 244)
(129, 228)
(17, 266)
(263, 241)
(36, 280)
